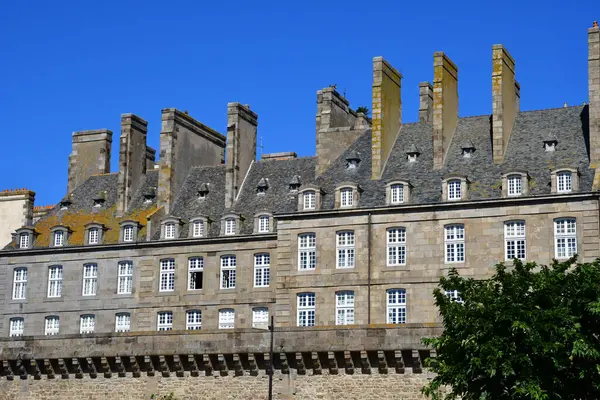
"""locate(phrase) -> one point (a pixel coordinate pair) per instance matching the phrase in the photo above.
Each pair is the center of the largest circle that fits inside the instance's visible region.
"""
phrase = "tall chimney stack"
(90, 156)
(425, 102)
(505, 100)
(445, 106)
(386, 113)
(132, 159)
(594, 93)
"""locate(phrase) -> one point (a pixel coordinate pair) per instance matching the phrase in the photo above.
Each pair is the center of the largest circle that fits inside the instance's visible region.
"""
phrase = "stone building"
(164, 273)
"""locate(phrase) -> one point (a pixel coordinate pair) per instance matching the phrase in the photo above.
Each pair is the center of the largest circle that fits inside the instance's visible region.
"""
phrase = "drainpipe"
(369, 268)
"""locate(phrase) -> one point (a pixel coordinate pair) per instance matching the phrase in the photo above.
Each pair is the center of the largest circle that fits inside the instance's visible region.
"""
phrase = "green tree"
(530, 332)
(363, 109)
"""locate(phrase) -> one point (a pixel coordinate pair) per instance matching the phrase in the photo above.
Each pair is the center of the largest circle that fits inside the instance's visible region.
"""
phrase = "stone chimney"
(445, 106)
(285, 155)
(184, 143)
(242, 124)
(505, 100)
(425, 102)
(150, 158)
(90, 156)
(132, 159)
(386, 113)
(16, 211)
(594, 93)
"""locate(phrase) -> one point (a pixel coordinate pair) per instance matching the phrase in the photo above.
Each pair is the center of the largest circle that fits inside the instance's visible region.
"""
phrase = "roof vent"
(295, 183)
(262, 186)
(468, 148)
(352, 160)
(203, 191)
(100, 198)
(550, 142)
(66, 202)
(149, 194)
(412, 153)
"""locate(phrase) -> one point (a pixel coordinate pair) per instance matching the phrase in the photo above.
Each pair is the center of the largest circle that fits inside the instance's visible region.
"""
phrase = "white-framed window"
(309, 200)
(51, 325)
(198, 229)
(128, 233)
(345, 249)
(24, 240)
(564, 182)
(193, 320)
(170, 230)
(226, 318)
(260, 317)
(262, 270)
(230, 226)
(125, 277)
(515, 185)
(93, 236)
(195, 273)
(396, 306)
(263, 223)
(454, 240)
(344, 307)
(454, 192)
(228, 264)
(90, 279)
(55, 280)
(565, 237)
(397, 193)
(164, 321)
(122, 322)
(306, 309)
(514, 239)
(454, 295)
(17, 327)
(59, 238)
(87, 323)
(19, 283)
(346, 197)
(167, 275)
(307, 251)
(396, 247)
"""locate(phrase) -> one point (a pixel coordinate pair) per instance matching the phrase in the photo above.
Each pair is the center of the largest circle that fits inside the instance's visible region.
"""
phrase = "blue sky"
(67, 66)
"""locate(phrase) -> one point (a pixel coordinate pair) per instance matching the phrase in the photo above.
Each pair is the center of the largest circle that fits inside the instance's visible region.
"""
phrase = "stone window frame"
(224, 323)
(407, 191)
(88, 227)
(355, 195)
(136, 230)
(257, 221)
(66, 235)
(260, 310)
(238, 223)
(25, 231)
(574, 179)
(318, 197)
(464, 186)
(566, 236)
(347, 307)
(170, 220)
(205, 221)
(524, 183)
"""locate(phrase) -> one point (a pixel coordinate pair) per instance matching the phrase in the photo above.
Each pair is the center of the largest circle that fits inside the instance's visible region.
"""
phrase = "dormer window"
(515, 185)
(149, 195)
(346, 197)
(454, 189)
(412, 153)
(170, 230)
(100, 199)
(59, 238)
(310, 200)
(263, 223)
(203, 191)
(198, 228)
(565, 180)
(468, 149)
(352, 160)
(262, 186)
(550, 143)
(65, 203)
(230, 226)
(295, 183)
(93, 236)
(128, 233)
(24, 241)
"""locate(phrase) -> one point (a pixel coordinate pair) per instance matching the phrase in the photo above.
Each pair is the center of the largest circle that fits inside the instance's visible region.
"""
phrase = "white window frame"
(24, 240)
(195, 266)
(128, 233)
(346, 197)
(93, 236)
(454, 244)
(397, 193)
(226, 318)
(565, 238)
(396, 246)
(306, 313)
(87, 324)
(260, 317)
(345, 253)
(51, 325)
(164, 321)
(198, 228)
(515, 185)
(564, 182)
(396, 306)
(20, 283)
(344, 307)
(16, 327)
(454, 188)
(307, 252)
(228, 271)
(193, 320)
(515, 243)
(264, 222)
(59, 238)
(167, 275)
(170, 230)
(309, 200)
(454, 295)
(125, 277)
(90, 280)
(230, 226)
(262, 270)
(55, 280)
(122, 322)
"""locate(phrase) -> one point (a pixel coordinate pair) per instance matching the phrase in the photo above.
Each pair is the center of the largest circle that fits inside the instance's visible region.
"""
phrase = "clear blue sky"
(74, 65)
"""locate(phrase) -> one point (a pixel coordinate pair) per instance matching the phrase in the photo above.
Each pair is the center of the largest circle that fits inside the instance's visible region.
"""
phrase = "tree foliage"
(363, 109)
(529, 332)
